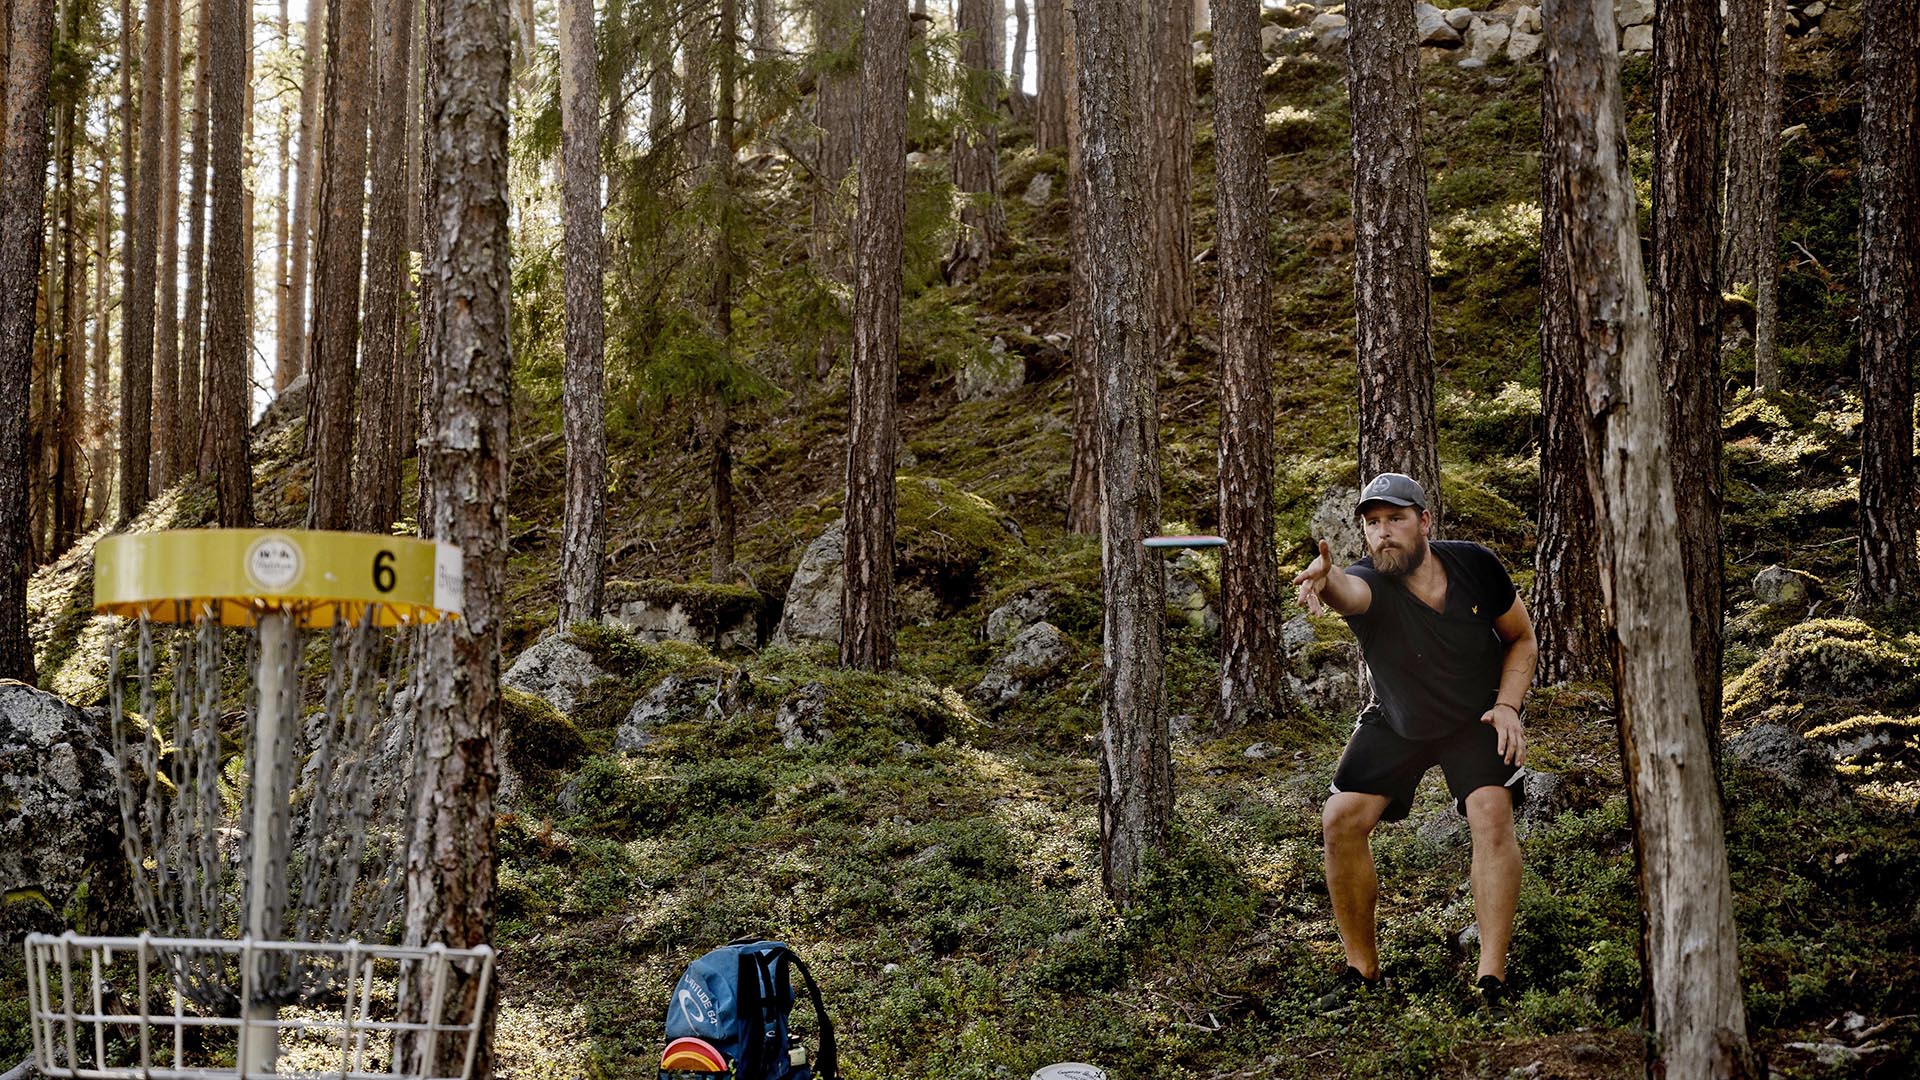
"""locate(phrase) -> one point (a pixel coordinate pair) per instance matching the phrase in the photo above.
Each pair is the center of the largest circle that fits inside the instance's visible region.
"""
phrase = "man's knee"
(1350, 817)
(1490, 814)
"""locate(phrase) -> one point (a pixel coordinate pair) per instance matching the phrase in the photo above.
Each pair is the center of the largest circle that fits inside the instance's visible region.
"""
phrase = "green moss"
(711, 608)
(1823, 671)
(540, 741)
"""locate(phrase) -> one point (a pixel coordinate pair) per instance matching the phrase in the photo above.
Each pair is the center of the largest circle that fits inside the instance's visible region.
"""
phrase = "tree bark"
(23, 184)
(1019, 105)
(1251, 681)
(1169, 69)
(169, 446)
(976, 146)
(1750, 239)
(450, 860)
(584, 539)
(69, 492)
(866, 607)
(193, 323)
(720, 179)
(1083, 478)
(376, 500)
(1565, 601)
(1397, 427)
(696, 81)
(660, 87)
(136, 342)
(228, 390)
(100, 456)
(293, 359)
(1054, 74)
(283, 315)
(1686, 314)
(836, 112)
(1136, 768)
(336, 272)
(1889, 300)
(1691, 951)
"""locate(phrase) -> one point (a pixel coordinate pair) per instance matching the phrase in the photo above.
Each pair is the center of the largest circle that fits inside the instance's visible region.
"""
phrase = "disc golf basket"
(265, 786)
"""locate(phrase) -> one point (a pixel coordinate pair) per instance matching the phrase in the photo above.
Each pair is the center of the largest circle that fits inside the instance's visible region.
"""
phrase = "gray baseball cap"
(1392, 487)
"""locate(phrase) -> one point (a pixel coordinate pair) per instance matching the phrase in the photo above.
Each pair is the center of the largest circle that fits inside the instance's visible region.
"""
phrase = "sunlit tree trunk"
(228, 390)
(101, 426)
(293, 359)
(170, 451)
(193, 323)
(1749, 255)
(1017, 101)
(584, 538)
(867, 607)
(376, 480)
(1691, 951)
(136, 344)
(1054, 75)
(976, 147)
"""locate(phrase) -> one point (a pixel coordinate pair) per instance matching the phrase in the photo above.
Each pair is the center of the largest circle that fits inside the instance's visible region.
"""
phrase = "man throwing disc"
(1451, 652)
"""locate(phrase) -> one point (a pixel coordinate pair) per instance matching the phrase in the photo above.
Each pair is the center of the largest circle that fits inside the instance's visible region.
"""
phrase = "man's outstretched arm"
(1516, 678)
(1323, 585)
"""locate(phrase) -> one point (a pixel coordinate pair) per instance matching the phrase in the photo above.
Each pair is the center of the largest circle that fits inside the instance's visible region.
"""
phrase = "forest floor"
(937, 863)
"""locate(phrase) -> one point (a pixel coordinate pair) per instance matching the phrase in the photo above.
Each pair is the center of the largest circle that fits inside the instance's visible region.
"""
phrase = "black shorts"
(1380, 761)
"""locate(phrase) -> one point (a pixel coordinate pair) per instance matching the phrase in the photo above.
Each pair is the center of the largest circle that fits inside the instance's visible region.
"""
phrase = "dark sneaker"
(1350, 986)
(1493, 997)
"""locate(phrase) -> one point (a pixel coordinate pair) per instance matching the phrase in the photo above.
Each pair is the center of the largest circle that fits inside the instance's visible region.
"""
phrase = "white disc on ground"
(1070, 1070)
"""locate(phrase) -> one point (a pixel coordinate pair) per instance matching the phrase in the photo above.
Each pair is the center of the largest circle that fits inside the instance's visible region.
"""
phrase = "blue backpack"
(737, 998)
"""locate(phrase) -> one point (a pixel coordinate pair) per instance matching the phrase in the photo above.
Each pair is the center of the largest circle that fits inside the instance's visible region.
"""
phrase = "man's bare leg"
(1348, 822)
(1496, 875)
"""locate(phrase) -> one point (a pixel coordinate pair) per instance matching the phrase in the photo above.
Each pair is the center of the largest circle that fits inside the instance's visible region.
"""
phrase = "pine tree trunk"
(1691, 951)
(376, 500)
(428, 393)
(1019, 105)
(1202, 17)
(293, 361)
(867, 607)
(1397, 428)
(1050, 48)
(23, 183)
(1251, 680)
(720, 180)
(1169, 64)
(1686, 315)
(660, 88)
(1889, 299)
(1083, 477)
(283, 315)
(836, 113)
(69, 493)
(1750, 239)
(169, 452)
(336, 271)
(766, 28)
(584, 538)
(193, 323)
(696, 81)
(229, 391)
(100, 455)
(136, 343)
(976, 146)
(450, 860)
(1565, 602)
(1136, 767)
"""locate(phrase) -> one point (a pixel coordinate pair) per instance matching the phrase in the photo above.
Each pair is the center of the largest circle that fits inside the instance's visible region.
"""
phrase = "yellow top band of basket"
(237, 575)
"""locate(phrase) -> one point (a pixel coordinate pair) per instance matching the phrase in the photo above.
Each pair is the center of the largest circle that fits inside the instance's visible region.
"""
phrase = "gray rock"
(1472, 63)
(1637, 39)
(1187, 598)
(1487, 41)
(1327, 20)
(60, 832)
(1036, 655)
(1270, 38)
(1259, 751)
(1039, 190)
(673, 700)
(1813, 10)
(1779, 586)
(651, 620)
(802, 716)
(554, 670)
(288, 404)
(812, 611)
(1332, 690)
(1526, 20)
(1007, 620)
(1632, 12)
(1445, 827)
(994, 376)
(1296, 634)
(1792, 134)
(1331, 40)
(1432, 27)
(917, 159)
(1781, 753)
(1548, 795)
(1333, 521)
(1459, 18)
(1522, 46)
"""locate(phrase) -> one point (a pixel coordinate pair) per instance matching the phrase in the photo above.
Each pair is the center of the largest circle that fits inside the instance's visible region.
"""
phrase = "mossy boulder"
(721, 616)
(947, 533)
(539, 742)
(1825, 671)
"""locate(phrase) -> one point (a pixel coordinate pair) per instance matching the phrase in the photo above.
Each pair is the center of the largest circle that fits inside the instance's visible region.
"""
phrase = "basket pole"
(276, 656)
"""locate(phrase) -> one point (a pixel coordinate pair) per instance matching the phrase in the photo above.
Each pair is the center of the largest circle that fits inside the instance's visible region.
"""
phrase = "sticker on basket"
(274, 562)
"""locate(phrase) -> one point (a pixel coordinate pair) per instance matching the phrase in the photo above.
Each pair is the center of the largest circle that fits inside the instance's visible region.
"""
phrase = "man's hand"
(1513, 735)
(1313, 581)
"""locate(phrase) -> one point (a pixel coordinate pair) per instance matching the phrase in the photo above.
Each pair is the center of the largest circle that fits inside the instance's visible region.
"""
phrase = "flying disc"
(1180, 542)
(1070, 1070)
(695, 1055)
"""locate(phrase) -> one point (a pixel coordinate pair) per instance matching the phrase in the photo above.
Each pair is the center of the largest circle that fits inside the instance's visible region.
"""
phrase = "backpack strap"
(827, 1066)
(749, 1007)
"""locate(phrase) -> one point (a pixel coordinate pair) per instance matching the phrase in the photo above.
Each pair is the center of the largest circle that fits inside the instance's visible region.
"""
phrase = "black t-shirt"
(1434, 672)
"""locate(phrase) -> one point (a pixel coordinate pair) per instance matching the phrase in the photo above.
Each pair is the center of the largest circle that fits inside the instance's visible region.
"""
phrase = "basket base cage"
(119, 1008)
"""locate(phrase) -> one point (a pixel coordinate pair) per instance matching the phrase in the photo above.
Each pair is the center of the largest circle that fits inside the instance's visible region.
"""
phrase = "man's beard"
(1398, 562)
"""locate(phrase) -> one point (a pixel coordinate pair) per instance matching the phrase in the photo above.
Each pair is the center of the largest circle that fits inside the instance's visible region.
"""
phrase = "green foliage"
(1824, 671)
(540, 740)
